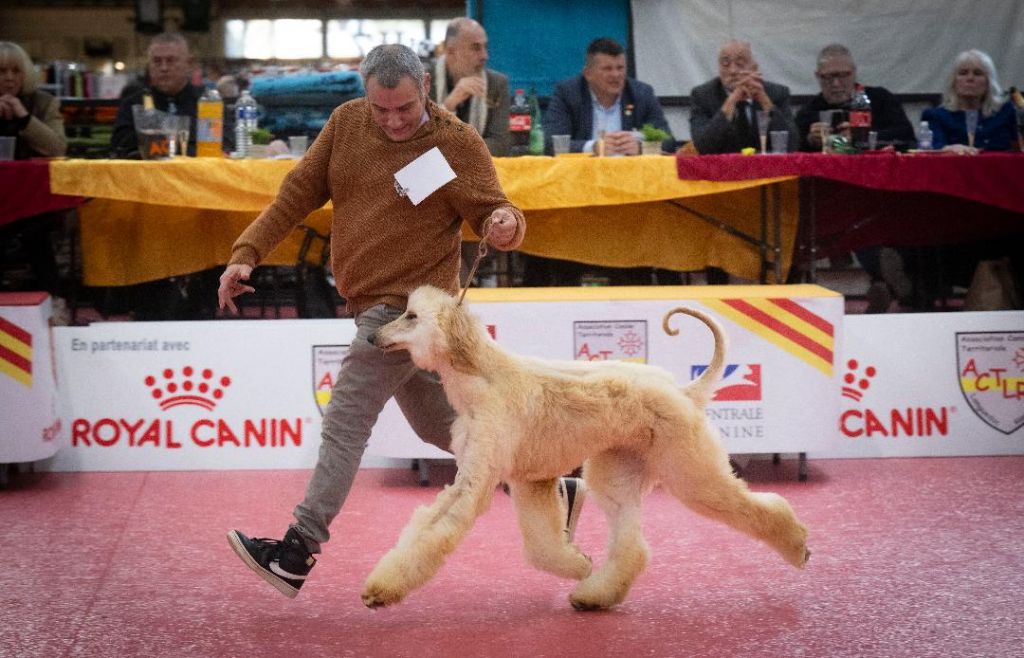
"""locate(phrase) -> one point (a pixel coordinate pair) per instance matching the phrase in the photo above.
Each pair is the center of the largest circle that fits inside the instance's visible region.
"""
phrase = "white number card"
(423, 176)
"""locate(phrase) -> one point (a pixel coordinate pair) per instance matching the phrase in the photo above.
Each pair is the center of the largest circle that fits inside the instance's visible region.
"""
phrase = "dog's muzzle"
(374, 339)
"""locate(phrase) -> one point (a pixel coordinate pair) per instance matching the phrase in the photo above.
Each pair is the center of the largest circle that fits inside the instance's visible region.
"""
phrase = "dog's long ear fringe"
(463, 339)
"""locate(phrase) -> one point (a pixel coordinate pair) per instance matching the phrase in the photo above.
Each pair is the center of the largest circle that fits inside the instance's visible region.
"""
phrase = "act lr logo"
(990, 368)
(326, 363)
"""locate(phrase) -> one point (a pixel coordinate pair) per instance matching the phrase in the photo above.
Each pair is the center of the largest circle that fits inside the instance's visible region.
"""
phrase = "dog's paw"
(585, 601)
(377, 596)
(582, 566)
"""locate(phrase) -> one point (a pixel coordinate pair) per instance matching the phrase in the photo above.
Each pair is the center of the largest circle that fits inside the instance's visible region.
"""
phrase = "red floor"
(914, 558)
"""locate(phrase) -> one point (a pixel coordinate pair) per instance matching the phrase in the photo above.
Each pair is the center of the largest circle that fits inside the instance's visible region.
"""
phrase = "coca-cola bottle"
(860, 118)
(519, 124)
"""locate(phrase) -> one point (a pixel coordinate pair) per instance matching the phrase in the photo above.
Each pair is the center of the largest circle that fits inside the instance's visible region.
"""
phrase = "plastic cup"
(297, 145)
(155, 130)
(7, 147)
(560, 144)
(780, 141)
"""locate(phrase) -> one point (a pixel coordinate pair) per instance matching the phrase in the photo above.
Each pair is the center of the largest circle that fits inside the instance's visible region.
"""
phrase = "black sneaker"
(573, 490)
(284, 564)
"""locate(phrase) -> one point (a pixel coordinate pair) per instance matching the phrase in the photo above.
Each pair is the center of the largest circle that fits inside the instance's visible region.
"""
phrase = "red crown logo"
(853, 387)
(189, 387)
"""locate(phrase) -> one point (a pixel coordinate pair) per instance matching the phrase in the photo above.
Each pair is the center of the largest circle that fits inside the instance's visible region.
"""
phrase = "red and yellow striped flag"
(15, 352)
(786, 324)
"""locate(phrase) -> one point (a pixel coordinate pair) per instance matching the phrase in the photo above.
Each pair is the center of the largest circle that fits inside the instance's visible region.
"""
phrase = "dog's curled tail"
(702, 385)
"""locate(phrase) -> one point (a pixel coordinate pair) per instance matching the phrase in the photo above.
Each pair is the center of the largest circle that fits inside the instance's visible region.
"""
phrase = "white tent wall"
(907, 46)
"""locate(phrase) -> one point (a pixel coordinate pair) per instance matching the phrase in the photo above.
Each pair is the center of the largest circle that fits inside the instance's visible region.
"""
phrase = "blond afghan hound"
(526, 421)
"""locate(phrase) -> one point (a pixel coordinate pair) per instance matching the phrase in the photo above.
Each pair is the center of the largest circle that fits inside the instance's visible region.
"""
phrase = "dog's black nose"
(372, 338)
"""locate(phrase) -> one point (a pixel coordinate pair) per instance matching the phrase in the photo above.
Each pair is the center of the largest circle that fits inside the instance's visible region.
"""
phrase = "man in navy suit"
(603, 99)
(723, 116)
(600, 110)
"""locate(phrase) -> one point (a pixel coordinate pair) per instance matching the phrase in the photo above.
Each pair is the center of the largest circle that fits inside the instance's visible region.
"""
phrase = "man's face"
(837, 77)
(467, 52)
(169, 67)
(399, 111)
(735, 61)
(606, 75)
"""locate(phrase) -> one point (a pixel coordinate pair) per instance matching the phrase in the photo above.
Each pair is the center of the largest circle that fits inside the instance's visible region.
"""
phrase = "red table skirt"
(25, 191)
(994, 179)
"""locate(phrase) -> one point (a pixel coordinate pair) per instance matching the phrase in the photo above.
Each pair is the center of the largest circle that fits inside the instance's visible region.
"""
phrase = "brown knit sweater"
(382, 246)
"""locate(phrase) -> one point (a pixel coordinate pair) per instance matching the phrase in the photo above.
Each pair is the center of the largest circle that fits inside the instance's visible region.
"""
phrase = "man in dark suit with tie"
(603, 100)
(723, 113)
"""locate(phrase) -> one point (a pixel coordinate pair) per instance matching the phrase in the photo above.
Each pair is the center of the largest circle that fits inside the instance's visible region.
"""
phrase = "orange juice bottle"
(210, 125)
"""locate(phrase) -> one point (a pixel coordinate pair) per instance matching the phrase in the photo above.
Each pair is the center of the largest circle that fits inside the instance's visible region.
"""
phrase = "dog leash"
(481, 251)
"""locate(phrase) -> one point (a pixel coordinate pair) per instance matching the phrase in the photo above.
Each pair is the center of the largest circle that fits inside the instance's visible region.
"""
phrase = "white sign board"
(249, 394)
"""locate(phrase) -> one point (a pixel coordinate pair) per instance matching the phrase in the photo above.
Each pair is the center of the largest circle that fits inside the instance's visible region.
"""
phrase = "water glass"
(7, 147)
(971, 119)
(297, 145)
(780, 141)
(560, 144)
(825, 117)
(872, 140)
(764, 117)
(178, 140)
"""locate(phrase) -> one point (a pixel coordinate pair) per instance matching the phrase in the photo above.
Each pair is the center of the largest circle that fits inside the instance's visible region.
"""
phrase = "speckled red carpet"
(911, 557)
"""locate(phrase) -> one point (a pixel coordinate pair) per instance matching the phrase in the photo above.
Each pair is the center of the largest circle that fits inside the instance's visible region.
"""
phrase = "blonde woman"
(973, 88)
(31, 115)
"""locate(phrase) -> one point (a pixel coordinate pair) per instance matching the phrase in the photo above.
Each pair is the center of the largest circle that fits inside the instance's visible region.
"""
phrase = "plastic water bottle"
(519, 124)
(210, 125)
(924, 137)
(536, 127)
(245, 123)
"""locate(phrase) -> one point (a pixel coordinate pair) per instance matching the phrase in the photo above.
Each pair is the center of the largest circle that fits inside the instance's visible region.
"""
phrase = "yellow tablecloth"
(150, 220)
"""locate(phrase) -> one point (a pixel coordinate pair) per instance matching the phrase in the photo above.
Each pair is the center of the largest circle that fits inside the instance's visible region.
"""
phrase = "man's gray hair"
(835, 51)
(171, 37)
(391, 62)
(457, 25)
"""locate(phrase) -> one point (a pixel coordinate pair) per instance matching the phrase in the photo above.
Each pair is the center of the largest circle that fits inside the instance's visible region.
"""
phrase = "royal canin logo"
(189, 386)
(869, 422)
(201, 388)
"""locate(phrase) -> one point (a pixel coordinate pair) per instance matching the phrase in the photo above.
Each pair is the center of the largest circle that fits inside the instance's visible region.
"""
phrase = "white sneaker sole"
(273, 579)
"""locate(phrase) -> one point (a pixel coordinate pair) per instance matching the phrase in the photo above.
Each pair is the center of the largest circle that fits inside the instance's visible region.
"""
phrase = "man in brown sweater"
(382, 247)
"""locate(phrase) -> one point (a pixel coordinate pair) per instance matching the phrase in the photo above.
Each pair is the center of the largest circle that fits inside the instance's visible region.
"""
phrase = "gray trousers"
(368, 378)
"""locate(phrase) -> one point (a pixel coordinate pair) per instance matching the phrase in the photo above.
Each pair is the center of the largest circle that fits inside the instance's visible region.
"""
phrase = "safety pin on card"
(423, 176)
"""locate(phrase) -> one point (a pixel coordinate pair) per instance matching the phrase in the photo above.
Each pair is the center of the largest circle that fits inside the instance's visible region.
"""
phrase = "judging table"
(25, 191)
(155, 219)
(913, 199)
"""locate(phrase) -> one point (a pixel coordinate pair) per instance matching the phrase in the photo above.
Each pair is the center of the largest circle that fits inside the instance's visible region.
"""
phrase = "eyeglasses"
(834, 77)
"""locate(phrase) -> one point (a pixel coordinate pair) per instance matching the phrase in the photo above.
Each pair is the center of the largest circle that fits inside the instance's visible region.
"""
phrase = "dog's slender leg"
(431, 534)
(703, 481)
(616, 479)
(542, 522)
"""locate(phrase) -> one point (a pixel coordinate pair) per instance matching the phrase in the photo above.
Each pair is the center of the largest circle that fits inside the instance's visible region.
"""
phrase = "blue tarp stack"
(301, 104)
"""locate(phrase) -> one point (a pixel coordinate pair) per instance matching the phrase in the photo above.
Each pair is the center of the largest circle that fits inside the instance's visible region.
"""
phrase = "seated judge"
(723, 114)
(602, 100)
(837, 77)
(601, 109)
(462, 84)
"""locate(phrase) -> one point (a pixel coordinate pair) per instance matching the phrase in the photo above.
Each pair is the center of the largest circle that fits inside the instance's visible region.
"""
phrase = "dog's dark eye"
(409, 315)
